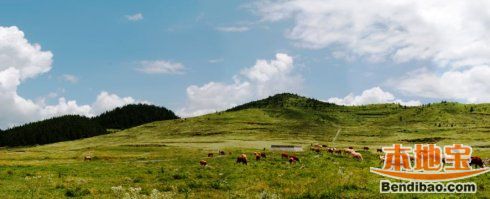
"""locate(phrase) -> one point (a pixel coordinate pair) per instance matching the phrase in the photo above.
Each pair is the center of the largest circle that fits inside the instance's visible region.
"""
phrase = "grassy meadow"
(161, 159)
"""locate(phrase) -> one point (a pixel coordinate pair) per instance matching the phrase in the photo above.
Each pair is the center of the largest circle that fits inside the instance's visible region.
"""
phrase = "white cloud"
(451, 34)
(69, 78)
(263, 79)
(20, 60)
(447, 32)
(17, 53)
(373, 95)
(470, 85)
(233, 29)
(161, 67)
(106, 101)
(135, 17)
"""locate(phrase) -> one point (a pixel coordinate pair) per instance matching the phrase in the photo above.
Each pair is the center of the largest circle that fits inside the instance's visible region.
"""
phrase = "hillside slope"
(288, 118)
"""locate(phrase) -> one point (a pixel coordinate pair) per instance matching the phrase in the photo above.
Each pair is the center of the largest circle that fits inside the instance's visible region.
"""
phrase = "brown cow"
(263, 155)
(87, 158)
(331, 150)
(349, 151)
(210, 155)
(221, 153)
(203, 163)
(351, 147)
(357, 156)
(242, 159)
(379, 150)
(292, 160)
(338, 151)
(476, 161)
(366, 148)
(285, 155)
(294, 157)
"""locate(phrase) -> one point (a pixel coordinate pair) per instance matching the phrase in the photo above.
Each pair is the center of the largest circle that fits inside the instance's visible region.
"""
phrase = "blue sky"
(337, 50)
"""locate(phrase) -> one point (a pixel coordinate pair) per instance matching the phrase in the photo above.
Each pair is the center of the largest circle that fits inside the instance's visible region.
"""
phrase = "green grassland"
(162, 158)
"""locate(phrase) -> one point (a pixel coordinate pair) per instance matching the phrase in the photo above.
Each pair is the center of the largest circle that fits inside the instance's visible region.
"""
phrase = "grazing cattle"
(349, 151)
(257, 157)
(324, 145)
(357, 156)
(366, 148)
(331, 150)
(242, 159)
(476, 161)
(351, 147)
(203, 163)
(292, 160)
(87, 158)
(221, 153)
(263, 155)
(210, 155)
(285, 155)
(294, 157)
(379, 150)
(317, 150)
(338, 151)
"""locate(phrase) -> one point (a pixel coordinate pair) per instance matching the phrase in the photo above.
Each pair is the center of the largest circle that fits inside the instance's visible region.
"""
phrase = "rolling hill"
(163, 156)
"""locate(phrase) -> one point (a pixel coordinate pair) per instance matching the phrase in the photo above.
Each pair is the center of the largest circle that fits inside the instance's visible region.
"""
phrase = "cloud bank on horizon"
(21, 60)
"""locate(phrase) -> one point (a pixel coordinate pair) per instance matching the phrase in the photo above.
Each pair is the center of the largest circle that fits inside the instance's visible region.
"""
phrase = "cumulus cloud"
(233, 29)
(452, 35)
(161, 67)
(135, 17)
(374, 95)
(20, 60)
(261, 80)
(106, 101)
(469, 85)
(447, 32)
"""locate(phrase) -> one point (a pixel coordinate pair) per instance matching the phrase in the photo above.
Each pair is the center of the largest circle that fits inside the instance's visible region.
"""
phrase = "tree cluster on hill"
(133, 115)
(284, 100)
(68, 127)
(72, 127)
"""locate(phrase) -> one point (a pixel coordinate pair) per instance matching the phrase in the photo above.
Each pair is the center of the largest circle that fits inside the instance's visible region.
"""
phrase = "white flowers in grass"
(267, 195)
(134, 193)
(27, 178)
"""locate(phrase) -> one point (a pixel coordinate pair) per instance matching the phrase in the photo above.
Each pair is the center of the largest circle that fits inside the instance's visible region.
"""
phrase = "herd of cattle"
(292, 159)
(242, 158)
